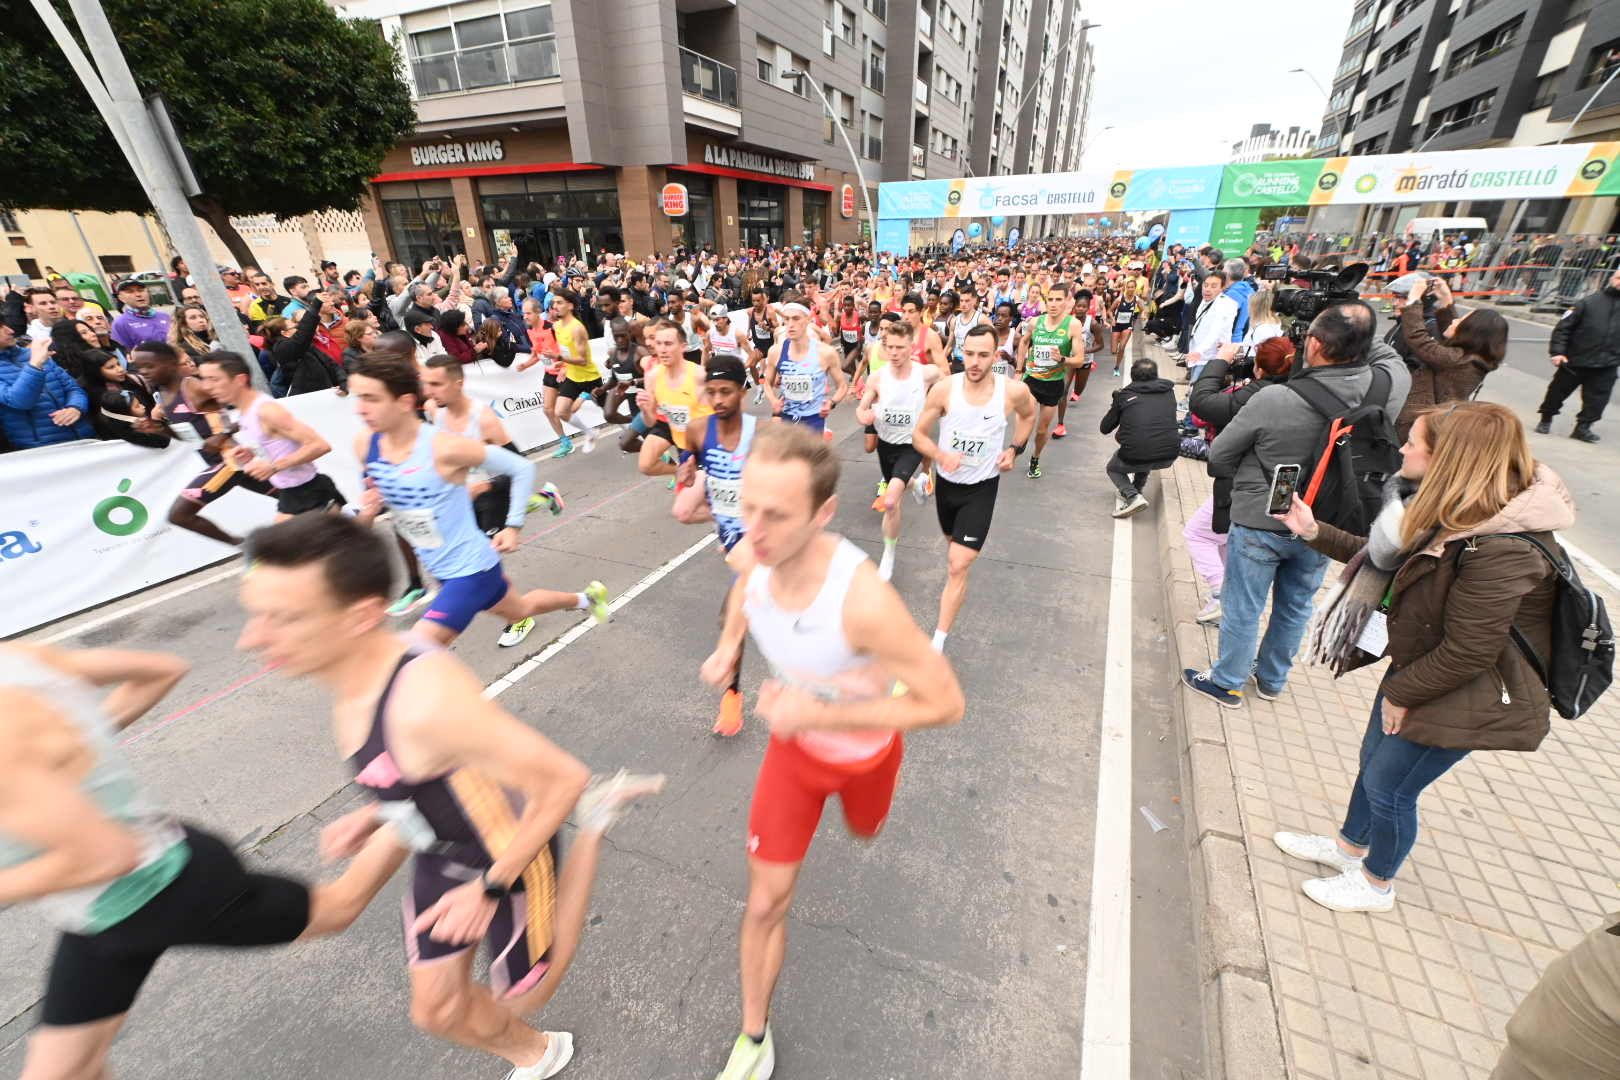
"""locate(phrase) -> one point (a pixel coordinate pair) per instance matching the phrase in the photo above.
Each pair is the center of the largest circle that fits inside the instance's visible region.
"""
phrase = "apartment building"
(1454, 74)
(1266, 143)
(546, 127)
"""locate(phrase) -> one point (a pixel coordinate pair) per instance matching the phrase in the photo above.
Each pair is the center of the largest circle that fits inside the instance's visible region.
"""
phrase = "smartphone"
(1284, 481)
(1244, 352)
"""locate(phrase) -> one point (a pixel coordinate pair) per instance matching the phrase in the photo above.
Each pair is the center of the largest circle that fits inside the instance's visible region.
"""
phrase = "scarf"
(1362, 587)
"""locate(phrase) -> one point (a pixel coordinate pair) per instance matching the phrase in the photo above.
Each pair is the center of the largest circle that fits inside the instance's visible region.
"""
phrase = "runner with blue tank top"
(720, 449)
(121, 880)
(798, 374)
(419, 474)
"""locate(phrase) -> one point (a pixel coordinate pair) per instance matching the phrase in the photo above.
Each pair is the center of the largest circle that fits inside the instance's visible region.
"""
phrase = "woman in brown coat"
(1451, 367)
(1442, 585)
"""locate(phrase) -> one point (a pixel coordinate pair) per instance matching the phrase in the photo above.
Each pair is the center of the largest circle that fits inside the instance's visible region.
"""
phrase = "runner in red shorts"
(837, 639)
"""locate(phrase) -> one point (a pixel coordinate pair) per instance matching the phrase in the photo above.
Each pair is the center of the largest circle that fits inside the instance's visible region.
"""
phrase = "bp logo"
(1594, 169)
(121, 514)
(954, 198)
(1366, 182)
(1118, 189)
(1327, 181)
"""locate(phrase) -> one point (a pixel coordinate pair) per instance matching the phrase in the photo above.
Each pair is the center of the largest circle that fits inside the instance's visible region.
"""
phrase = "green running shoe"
(597, 594)
(750, 1060)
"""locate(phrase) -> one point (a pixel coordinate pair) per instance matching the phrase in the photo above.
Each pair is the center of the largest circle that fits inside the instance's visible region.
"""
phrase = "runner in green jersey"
(1054, 344)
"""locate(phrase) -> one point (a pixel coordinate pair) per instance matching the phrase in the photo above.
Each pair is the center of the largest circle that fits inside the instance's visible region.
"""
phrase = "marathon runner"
(419, 474)
(720, 449)
(1122, 316)
(892, 403)
(476, 794)
(122, 881)
(723, 337)
(971, 410)
(928, 345)
(1004, 321)
(270, 444)
(1054, 343)
(965, 318)
(671, 402)
(797, 376)
(191, 416)
(762, 324)
(579, 375)
(849, 334)
(836, 638)
(627, 362)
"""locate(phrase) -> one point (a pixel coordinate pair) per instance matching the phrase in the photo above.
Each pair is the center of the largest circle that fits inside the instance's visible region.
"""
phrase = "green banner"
(1233, 228)
(1270, 183)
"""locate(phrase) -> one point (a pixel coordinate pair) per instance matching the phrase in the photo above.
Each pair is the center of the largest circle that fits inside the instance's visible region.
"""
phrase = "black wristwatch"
(492, 890)
(1018, 450)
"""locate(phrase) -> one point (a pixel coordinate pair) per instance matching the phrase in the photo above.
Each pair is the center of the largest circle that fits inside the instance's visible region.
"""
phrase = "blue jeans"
(1259, 564)
(1383, 805)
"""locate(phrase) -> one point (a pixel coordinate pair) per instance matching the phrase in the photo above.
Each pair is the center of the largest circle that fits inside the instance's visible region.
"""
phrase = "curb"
(1242, 1036)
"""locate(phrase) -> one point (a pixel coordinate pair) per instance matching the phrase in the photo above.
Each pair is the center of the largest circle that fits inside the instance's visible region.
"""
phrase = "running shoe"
(1349, 891)
(731, 714)
(597, 594)
(1059, 432)
(1116, 371)
(1134, 505)
(559, 1052)
(412, 600)
(1073, 397)
(1203, 684)
(516, 632)
(1210, 613)
(606, 800)
(671, 457)
(548, 492)
(826, 435)
(587, 437)
(1034, 471)
(880, 504)
(750, 1060)
(1316, 849)
(921, 487)
(564, 448)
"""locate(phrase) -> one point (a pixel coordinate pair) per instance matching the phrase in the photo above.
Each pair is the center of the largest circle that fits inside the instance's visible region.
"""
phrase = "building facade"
(551, 127)
(1454, 74)
(1266, 143)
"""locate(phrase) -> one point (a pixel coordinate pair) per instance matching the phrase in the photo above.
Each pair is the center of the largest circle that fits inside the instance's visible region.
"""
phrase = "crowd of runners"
(954, 365)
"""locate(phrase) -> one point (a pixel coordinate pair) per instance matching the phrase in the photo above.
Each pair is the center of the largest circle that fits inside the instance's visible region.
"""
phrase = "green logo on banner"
(1328, 181)
(1594, 169)
(1117, 191)
(954, 198)
(132, 516)
(1366, 182)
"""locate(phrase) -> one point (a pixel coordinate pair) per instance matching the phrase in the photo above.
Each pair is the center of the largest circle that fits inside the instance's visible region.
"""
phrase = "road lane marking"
(1105, 1050)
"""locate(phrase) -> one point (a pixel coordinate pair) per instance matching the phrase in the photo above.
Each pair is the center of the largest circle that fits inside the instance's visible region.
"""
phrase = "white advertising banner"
(87, 522)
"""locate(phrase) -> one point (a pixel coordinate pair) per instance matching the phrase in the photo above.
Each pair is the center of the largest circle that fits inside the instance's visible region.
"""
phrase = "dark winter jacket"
(1589, 332)
(1444, 372)
(1212, 403)
(1145, 414)
(304, 367)
(1453, 664)
(28, 396)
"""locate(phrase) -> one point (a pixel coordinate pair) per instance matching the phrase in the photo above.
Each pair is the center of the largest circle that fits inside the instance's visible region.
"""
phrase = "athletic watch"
(1018, 450)
(492, 890)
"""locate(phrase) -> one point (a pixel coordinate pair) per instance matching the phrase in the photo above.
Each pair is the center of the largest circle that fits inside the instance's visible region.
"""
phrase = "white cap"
(719, 312)
(548, 278)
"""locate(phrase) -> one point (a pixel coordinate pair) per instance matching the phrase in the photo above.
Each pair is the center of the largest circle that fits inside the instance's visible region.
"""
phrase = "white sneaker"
(587, 439)
(1210, 613)
(515, 633)
(750, 1060)
(1323, 850)
(1119, 505)
(886, 564)
(559, 1052)
(605, 800)
(1134, 505)
(1349, 891)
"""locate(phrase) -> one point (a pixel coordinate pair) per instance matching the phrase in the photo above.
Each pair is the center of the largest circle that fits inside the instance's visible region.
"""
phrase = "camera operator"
(1449, 355)
(1279, 427)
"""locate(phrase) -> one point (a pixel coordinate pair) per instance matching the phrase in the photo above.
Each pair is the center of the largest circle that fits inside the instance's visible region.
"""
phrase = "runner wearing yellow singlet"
(580, 376)
(672, 399)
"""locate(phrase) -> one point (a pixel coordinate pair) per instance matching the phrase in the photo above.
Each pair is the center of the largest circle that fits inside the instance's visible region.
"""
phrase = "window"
(1465, 113)
(874, 67)
(1397, 52)
(1375, 105)
(1475, 5)
(1374, 145)
(519, 45)
(1547, 88)
(1403, 9)
(1484, 47)
(846, 25)
(8, 221)
(29, 268)
(773, 62)
(844, 104)
(766, 69)
(873, 142)
(880, 8)
(1577, 11)
(118, 264)
(1602, 64)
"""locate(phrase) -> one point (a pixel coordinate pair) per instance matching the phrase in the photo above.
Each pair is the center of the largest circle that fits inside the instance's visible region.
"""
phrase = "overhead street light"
(795, 75)
(1081, 157)
(1313, 78)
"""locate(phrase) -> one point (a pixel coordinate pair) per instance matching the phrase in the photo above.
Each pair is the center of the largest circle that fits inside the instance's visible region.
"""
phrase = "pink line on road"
(217, 695)
(566, 520)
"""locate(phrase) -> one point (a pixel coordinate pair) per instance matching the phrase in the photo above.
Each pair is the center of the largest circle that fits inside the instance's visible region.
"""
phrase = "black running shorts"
(318, 493)
(1047, 392)
(965, 510)
(214, 901)
(568, 388)
(898, 461)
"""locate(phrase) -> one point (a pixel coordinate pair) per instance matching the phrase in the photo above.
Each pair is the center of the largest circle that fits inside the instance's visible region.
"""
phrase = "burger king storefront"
(518, 193)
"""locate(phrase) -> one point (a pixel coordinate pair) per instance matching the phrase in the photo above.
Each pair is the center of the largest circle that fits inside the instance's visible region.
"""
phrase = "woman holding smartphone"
(1436, 587)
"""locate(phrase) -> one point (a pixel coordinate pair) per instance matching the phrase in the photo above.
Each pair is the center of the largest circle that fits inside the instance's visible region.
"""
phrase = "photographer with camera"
(1449, 360)
(1280, 426)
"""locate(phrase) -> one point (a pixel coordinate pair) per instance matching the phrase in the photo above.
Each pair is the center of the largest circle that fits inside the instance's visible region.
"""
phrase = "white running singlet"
(899, 403)
(974, 431)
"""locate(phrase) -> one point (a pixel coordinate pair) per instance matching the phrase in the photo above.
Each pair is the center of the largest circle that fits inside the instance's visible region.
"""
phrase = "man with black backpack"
(1335, 421)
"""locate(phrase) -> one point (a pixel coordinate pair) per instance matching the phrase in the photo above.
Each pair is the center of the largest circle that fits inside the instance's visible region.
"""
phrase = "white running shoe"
(606, 799)
(1349, 891)
(515, 633)
(1323, 850)
(1135, 505)
(750, 1060)
(920, 487)
(587, 437)
(1210, 613)
(886, 564)
(559, 1052)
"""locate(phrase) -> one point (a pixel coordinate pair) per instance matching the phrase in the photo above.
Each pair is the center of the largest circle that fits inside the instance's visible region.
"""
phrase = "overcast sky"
(1181, 80)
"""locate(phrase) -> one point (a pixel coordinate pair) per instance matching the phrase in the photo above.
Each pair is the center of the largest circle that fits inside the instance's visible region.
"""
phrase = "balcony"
(707, 78)
(919, 162)
(1361, 25)
(925, 23)
(502, 64)
(919, 94)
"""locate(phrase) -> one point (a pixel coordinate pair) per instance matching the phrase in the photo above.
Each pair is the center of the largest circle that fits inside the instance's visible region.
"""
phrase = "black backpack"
(1582, 639)
(1344, 486)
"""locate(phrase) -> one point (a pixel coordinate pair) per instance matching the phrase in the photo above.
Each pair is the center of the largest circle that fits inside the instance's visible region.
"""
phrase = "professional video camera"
(1324, 288)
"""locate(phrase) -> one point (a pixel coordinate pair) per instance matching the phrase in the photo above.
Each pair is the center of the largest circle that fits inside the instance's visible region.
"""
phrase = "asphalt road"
(954, 946)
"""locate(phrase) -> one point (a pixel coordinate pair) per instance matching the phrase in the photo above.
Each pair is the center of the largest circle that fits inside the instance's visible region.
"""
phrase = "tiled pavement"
(1515, 862)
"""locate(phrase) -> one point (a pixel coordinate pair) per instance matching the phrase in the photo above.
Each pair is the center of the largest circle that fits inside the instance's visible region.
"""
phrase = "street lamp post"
(1081, 158)
(1313, 78)
(860, 173)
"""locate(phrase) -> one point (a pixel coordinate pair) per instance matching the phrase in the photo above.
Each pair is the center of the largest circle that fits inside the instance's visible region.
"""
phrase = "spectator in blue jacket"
(1239, 288)
(40, 404)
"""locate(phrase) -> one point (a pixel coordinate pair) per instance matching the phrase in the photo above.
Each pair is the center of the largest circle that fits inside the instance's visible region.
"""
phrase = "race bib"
(678, 415)
(418, 527)
(895, 421)
(975, 449)
(1002, 366)
(798, 388)
(1043, 357)
(725, 496)
(851, 336)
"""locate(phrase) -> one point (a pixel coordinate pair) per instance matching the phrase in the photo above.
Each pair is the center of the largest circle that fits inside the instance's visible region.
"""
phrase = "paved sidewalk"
(1513, 866)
